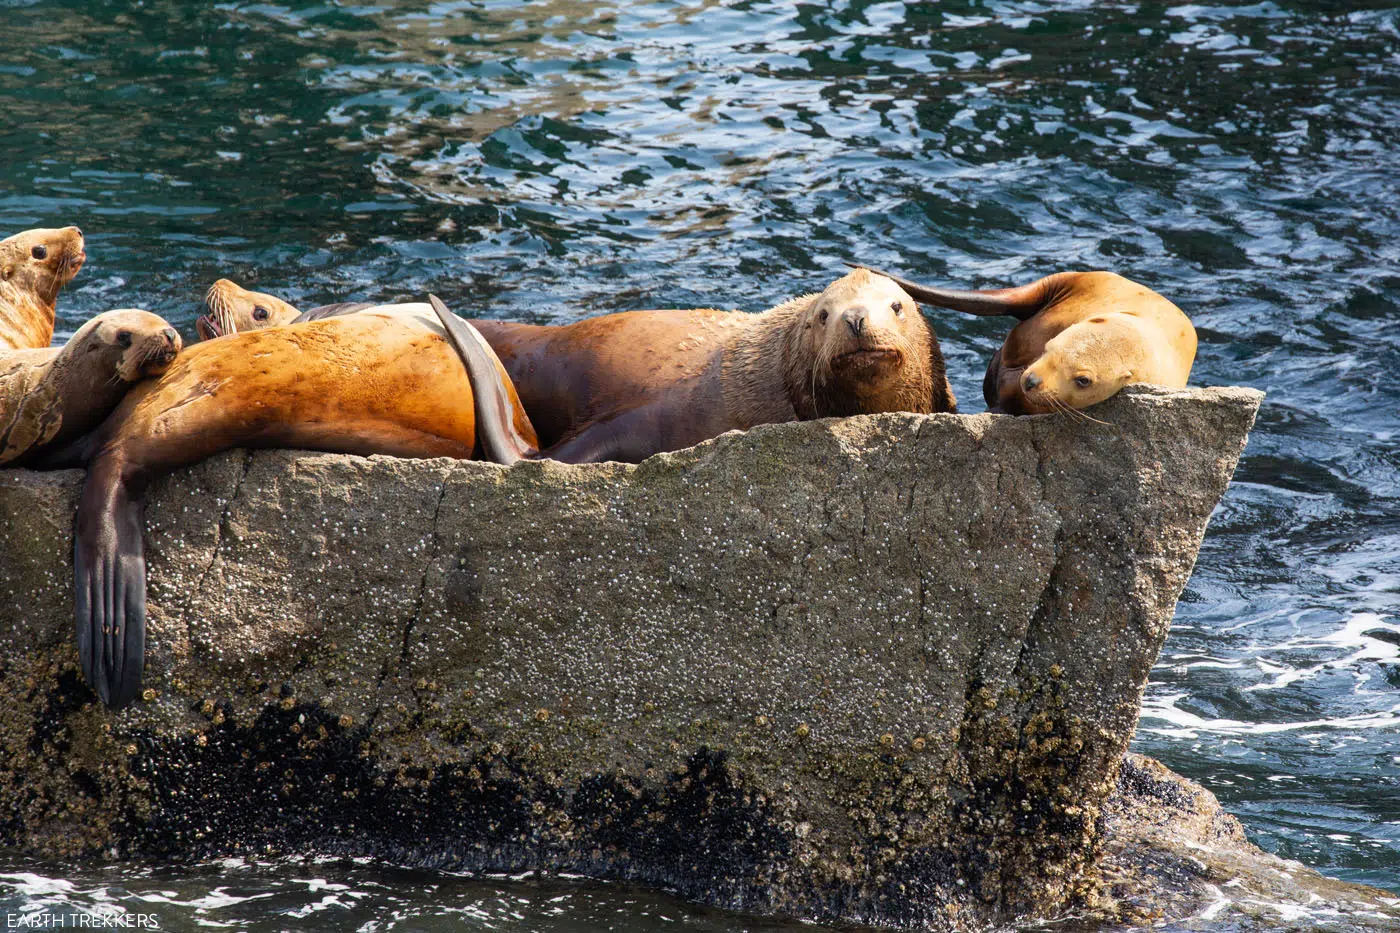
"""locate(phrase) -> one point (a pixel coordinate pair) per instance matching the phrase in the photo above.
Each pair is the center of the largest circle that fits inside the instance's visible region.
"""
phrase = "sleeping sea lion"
(34, 267)
(235, 310)
(626, 386)
(368, 383)
(1082, 336)
(55, 395)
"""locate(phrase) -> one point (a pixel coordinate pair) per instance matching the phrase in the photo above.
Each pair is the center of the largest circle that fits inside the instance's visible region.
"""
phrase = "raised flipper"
(1022, 302)
(495, 409)
(333, 310)
(110, 597)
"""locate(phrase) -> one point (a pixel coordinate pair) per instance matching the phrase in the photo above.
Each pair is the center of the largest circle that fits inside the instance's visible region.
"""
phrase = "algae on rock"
(875, 669)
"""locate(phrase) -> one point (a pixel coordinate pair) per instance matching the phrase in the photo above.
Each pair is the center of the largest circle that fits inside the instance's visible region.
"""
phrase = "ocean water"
(555, 159)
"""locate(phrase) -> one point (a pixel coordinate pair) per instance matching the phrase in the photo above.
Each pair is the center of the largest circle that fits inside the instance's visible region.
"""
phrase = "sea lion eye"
(897, 308)
(124, 338)
(823, 316)
(259, 314)
(1083, 381)
(40, 252)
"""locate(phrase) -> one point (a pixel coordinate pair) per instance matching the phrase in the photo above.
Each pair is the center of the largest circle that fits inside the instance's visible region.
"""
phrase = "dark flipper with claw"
(495, 410)
(110, 598)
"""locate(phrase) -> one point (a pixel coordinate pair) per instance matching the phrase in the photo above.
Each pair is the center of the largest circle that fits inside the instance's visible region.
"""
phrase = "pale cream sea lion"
(34, 267)
(1082, 336)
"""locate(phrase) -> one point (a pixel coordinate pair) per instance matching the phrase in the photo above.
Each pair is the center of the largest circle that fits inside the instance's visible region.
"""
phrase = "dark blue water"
(557, 159)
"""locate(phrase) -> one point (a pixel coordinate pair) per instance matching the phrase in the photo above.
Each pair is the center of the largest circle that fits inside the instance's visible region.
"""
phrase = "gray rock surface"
(876, 669)
(1171, 853)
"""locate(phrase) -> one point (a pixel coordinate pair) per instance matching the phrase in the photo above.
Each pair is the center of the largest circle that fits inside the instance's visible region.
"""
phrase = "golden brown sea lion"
(34, 266)
(1082, 337)
(369, 383)
(55, 395)
(629, 385)
(235, 310)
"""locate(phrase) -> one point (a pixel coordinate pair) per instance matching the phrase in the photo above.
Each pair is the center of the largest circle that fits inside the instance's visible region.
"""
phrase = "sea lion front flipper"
(495, 409)
(110, 576)
(991, 381)
(333, 310)
(603, 442)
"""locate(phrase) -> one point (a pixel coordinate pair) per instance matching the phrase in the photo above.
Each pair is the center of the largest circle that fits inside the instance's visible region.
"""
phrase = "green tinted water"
(557, 159)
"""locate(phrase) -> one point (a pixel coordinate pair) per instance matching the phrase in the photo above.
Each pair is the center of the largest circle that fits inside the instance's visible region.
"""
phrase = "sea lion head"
(40, 262)
(1083, 364)
(233, 309)
(140, 344)
(869, 349)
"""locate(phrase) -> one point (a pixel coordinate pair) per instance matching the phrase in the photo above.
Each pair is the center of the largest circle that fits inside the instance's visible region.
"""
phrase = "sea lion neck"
(756, 391)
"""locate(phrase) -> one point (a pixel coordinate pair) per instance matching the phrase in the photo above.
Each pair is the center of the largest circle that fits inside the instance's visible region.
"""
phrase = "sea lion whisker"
(1056, 406)
(1059, 405)
(1069, 409)
(1086, 416)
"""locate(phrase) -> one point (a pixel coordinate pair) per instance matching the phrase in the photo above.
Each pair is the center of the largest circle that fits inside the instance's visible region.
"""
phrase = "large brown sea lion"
(626, 386)
(368, 383)
(34, 266)
(1082, 336)
(55, 395)
(235, 310)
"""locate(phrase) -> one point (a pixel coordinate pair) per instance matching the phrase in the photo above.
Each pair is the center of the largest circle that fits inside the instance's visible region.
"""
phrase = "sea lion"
(628, 385)
(368, 383)
(233, 310)
(52, 396)
(1082, 336)
(34, 266)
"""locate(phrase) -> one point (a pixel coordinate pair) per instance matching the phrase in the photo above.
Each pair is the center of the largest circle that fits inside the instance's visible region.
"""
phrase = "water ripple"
(556, 159)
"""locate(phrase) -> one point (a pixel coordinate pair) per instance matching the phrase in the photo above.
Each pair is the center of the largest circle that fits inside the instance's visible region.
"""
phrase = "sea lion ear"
(6, 272)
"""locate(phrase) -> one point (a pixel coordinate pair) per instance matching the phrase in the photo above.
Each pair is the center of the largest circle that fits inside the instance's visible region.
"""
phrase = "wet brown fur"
(29, 287)
(1099, 325)
(51, 396)
(235, 310)
(363, 384)
(628, 385)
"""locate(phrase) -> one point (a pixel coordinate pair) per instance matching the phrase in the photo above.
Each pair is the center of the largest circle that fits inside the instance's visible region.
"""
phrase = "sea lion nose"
(1029, 381)
(855, 320)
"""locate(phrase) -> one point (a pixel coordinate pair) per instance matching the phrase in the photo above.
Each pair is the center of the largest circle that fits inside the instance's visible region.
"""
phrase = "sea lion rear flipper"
(110, 597)
(495, 409)
(1022, 302)
(333, 310)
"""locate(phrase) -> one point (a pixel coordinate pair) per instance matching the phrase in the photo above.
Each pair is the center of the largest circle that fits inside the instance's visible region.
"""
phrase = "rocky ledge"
(881, 669)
